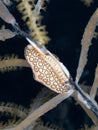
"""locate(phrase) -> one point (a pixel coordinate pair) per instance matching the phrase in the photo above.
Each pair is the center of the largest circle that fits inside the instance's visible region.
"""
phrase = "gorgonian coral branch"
(86, 42)
(14, 114)
(6, 15)
(32, 16)
(9, 63)
(86, 109)
(95, 85)
(52, 103)
(6, 34)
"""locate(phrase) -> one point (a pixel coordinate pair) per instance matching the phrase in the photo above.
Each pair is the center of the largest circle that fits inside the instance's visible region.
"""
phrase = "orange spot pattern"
(47, 70)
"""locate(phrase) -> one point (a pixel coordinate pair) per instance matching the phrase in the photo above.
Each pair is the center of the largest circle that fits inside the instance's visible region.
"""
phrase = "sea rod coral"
(46, 68)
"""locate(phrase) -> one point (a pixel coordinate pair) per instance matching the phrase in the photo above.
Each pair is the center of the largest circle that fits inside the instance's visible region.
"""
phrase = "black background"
(65, 21)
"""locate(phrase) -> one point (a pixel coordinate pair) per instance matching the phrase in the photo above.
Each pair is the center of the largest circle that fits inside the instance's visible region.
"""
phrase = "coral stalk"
(52, 103)
(95, 85)
(86, 42)
(6, 15)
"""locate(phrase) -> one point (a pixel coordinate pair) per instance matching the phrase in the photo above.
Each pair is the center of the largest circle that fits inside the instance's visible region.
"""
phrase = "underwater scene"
(48, 64)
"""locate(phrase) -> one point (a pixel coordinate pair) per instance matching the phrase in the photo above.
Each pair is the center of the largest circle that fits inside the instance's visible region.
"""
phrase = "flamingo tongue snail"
(47, 69)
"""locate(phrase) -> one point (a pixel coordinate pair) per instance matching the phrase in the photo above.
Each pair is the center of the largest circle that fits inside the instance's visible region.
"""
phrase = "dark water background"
(66, 21)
